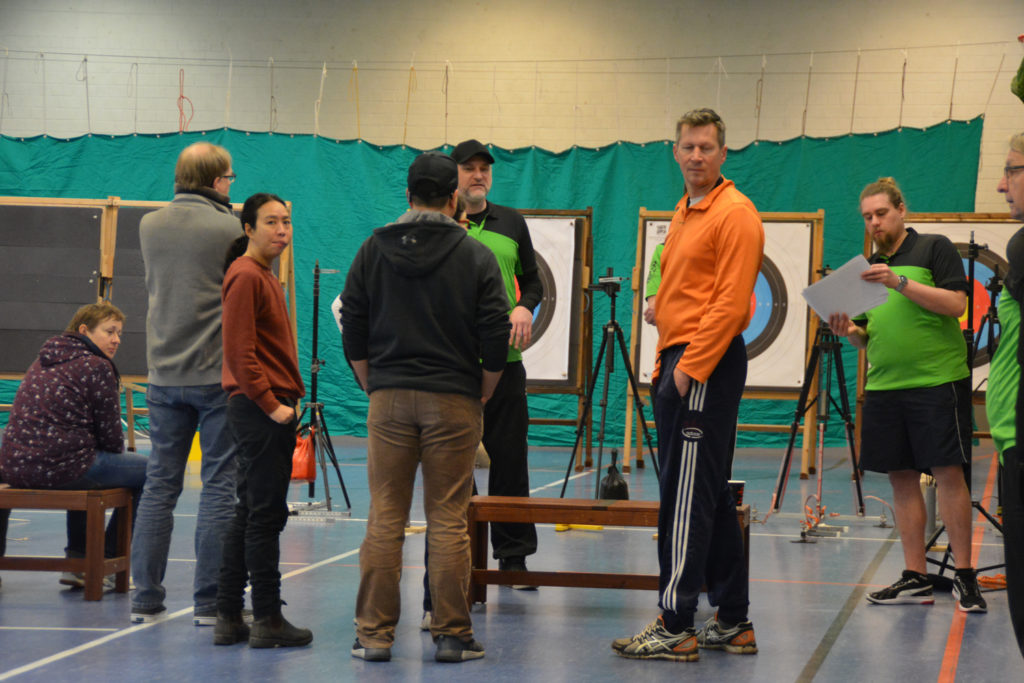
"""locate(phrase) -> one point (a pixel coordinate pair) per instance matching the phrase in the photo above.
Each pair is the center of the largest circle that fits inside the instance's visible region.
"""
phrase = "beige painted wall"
(552, 74)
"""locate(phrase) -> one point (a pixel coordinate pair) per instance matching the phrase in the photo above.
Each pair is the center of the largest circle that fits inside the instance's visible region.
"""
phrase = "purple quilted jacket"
(66, 409)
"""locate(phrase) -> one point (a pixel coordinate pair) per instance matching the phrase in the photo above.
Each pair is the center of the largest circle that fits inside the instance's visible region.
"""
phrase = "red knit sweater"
(260, 359)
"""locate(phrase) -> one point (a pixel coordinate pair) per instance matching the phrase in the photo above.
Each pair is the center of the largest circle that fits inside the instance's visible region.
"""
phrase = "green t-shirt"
(1004, 376)
(909, 347)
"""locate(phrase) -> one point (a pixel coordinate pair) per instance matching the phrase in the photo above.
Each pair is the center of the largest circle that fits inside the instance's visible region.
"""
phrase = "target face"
(768, 307)
(776, 337)
(545, 310)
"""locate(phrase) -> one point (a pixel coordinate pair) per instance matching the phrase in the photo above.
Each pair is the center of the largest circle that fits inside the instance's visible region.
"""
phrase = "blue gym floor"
(807, 600)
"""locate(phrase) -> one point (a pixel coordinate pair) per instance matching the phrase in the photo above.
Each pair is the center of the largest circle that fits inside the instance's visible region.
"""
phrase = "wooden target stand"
(47, 211)
(633, 429)
(580, 334)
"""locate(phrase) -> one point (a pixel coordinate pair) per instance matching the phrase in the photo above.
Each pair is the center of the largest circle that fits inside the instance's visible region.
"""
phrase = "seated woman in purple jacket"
(64, 430)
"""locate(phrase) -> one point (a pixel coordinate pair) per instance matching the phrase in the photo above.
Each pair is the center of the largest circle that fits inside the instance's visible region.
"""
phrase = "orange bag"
(304, 459)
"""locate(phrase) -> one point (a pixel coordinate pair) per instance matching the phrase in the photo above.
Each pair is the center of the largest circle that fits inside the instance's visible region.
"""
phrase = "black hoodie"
(425, 305)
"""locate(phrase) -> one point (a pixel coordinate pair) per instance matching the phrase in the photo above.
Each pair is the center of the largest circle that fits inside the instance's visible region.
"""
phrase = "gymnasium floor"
(807, 600)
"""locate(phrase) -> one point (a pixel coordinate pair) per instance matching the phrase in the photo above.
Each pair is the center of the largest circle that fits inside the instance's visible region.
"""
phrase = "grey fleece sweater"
(183, 246)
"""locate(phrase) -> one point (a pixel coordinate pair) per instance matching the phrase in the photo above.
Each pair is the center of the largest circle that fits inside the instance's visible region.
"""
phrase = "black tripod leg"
(581, 427)
(794, 428)
(329, 449)
(844, 411)
(609, 360)
(639, 400)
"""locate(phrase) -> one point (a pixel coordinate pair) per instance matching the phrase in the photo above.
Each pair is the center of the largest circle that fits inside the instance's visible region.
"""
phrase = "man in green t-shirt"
(917, 410)
(1002, 400)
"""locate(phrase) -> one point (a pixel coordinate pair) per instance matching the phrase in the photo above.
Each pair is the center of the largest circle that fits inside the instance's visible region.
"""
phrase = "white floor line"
(54, 628)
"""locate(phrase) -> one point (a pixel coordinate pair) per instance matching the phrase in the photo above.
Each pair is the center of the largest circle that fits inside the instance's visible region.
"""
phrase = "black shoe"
(911, 589)
(371, 654)
(968, 593)
(515, 564)
(453, 649)
(275, 631)
(230, 629)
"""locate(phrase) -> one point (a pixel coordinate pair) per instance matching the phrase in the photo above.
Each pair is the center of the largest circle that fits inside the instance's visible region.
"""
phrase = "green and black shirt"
(909, 347)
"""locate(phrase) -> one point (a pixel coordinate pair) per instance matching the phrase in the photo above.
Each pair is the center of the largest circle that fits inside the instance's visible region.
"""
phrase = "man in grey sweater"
(184, 246)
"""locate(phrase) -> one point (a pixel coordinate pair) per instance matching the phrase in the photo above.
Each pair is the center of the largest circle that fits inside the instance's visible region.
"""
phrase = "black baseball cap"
(464, 151)
(433, 175)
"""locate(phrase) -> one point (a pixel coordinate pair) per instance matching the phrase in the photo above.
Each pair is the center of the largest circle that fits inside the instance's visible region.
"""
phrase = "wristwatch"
(901, 283)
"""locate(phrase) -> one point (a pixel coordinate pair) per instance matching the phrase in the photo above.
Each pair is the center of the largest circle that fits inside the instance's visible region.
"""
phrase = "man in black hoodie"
(425, 328)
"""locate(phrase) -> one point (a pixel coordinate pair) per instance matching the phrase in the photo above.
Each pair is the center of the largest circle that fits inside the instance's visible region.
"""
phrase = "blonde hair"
(200, 164)
(1017, 143)
(92, 315)
(888, 187)
(702, 117)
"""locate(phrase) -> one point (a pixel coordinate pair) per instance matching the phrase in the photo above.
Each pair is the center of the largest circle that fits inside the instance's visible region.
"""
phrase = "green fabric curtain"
(341, 190)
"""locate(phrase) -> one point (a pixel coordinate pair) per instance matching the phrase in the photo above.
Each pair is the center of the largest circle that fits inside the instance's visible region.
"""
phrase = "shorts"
(916, 429)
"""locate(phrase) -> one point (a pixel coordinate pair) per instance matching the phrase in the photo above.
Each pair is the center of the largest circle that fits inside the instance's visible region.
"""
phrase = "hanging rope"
(952, 88)
(227, 95)
(668, 95)
(182, 99)
(319, 101)
(856, 79)
(353, 86)
(133, 92)
(807, 97)
(273, 102)
(444, 90)
(4, 100)
(994, 81)
(720, 69)
(903, 89)
(408, 100)
(82, 76)
(759, 98)
(42, 61)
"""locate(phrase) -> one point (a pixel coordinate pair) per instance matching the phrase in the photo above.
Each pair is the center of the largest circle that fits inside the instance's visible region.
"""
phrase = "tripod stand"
(608, 284)
(825, 356)
(322, 447)
(993, 287)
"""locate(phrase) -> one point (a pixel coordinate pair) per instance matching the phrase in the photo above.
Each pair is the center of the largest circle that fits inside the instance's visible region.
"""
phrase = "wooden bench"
(642, 513)
(94, 565)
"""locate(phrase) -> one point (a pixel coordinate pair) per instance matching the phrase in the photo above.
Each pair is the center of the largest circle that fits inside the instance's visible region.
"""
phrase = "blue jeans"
(174, 415)
(108, 471)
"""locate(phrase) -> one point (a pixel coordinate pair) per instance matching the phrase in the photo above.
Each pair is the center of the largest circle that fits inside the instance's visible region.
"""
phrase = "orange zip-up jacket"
(709, 266)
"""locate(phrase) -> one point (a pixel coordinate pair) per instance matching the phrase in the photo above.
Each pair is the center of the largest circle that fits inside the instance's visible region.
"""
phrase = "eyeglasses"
(1008, 171)
(232, 177)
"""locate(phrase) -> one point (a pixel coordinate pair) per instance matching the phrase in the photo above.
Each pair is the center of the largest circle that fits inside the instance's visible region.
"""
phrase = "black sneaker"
(229, 629)
(515, 564)
(911, 589)
(453, 649)
(276, 631)
(968, 594)
(371, 654)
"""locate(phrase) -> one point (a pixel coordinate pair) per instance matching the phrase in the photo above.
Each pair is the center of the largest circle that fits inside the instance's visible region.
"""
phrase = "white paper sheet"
(843, 291)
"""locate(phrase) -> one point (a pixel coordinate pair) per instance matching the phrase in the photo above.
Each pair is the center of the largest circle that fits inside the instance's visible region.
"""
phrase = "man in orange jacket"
(709, 266)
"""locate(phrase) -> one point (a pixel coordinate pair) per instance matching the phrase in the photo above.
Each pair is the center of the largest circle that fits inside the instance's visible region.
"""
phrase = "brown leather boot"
(230, 629)
(275, 631)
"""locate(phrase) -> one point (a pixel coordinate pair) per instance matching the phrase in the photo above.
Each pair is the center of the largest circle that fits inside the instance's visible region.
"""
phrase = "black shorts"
(916, 429)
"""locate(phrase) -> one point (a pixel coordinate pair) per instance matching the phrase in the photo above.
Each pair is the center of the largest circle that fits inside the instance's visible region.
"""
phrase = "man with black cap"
(425, 328)
(506, 418)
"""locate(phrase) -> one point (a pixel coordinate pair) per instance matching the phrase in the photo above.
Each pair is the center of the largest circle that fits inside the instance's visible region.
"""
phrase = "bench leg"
(478, 558)
(94, 549)
(124, 548)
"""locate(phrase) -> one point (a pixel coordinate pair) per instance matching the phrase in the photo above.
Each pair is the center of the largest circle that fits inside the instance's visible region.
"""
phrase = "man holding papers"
(917, 412)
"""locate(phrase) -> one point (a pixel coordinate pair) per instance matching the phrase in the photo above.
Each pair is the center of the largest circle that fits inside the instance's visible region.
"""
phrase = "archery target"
(554, 244)
(985, 267)
(776, 336)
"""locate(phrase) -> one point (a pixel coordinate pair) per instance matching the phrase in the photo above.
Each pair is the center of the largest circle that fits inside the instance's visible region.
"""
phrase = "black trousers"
(699, 537)
(252, 541)
(1013, 537)
(506, 419)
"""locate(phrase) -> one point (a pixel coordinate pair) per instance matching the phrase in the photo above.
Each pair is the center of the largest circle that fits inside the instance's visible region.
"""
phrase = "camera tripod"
(322, 447)
(609, 284)
(826, 356)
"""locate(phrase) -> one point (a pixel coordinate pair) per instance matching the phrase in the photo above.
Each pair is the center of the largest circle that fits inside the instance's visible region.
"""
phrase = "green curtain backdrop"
(341, 190)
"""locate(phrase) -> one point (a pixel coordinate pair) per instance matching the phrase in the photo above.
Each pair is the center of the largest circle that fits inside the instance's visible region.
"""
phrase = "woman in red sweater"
(261, 375)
